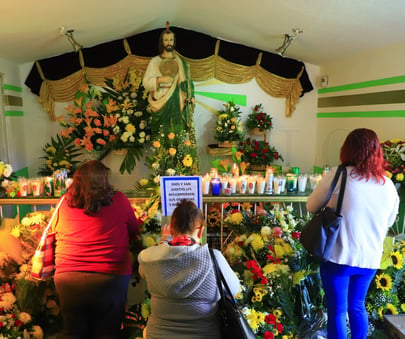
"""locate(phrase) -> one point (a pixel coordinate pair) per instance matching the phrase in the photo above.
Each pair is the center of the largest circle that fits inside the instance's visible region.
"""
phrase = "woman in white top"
(370, 205)
(181, 280)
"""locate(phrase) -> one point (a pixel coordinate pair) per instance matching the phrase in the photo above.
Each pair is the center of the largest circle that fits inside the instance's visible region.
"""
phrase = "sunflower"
(391, 309)
(384, 282)
(397, 260)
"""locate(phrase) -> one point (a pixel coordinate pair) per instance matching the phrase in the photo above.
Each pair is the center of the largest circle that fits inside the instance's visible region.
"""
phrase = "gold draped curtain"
(63, 90)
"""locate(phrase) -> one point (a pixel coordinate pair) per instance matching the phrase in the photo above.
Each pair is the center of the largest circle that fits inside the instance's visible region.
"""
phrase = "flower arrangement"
(172, 154)
(394, 154)
(15, 323)
(259, 119)
(258, 152)
(279, 278)
(228, 126)
(89, 124)
(7, 178)
(60, 153)
(126, 100)
(21, 298)
(386, 294)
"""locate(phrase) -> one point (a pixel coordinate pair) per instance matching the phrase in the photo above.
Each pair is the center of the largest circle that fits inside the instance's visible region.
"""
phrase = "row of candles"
(50, 186)
(258, 184)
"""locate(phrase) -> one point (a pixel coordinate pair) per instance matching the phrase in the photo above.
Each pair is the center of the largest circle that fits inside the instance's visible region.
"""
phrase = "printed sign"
(175, 189)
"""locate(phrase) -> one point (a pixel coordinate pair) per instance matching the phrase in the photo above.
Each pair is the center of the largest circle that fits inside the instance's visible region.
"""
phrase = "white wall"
(13, 134)
(378, 64)
(293, 137)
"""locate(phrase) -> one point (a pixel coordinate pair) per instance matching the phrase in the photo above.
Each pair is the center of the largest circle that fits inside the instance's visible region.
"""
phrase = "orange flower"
(97, 122)
(89, 131)
(171, 136)
(172, 151)
(187, 142)
(84, 88)
(100, 141)
(111, 106)
(86, 142)
(156, 144)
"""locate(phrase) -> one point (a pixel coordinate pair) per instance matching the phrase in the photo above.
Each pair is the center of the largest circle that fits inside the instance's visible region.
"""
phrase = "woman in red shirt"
(94, 227)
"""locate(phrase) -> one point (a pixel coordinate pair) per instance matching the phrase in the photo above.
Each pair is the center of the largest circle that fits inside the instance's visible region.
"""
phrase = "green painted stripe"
(238, 99)
(364, 84)
(377, 98)
(369, 114)
(12, 88)
(13, 113)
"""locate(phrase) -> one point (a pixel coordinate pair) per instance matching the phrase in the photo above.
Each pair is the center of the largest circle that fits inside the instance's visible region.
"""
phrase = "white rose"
(7, 171)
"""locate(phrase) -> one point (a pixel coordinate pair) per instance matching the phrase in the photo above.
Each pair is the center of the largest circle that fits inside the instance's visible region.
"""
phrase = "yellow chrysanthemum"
(388, 174)
(269, 268)
(402, 308)
(234, 251)
(397, 259)
(391, 309)
(130, 128)
(257, 243)
(236, 218)
(188, 161)
(384, 281)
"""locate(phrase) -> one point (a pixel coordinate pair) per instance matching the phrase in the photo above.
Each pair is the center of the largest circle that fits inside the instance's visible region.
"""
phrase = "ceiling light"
(69, 34)
(288, 39)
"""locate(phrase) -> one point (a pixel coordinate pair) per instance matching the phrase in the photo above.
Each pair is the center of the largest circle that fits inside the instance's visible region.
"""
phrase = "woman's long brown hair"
(90, 189)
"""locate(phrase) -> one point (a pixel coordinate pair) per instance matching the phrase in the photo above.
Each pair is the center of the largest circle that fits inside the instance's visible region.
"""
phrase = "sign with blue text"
(175, 189)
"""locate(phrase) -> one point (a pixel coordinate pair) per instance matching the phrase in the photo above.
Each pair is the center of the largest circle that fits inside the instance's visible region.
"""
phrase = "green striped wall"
(381, 98)
(13, 102)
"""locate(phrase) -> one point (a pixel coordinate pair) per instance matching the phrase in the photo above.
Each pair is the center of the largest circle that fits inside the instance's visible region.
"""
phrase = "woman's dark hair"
(166, 31)
(185, 215)
(362, 150)
(90, 189)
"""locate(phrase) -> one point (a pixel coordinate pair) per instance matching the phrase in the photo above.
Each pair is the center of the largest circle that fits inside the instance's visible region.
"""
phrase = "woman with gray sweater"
(181, 280)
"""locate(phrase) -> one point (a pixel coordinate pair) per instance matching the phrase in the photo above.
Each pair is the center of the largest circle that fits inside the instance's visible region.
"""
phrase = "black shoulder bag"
(319, 235)
(233, 324)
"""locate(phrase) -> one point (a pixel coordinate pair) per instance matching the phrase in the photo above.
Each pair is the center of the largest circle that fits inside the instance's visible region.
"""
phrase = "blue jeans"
(92, 304)
(345, 291)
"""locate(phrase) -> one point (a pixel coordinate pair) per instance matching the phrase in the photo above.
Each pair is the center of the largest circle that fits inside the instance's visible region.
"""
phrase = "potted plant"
(258, 153)
(228, 129)
(258, 121)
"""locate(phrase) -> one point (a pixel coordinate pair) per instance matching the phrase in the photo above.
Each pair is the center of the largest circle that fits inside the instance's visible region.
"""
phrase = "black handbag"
(233, 324)
(319, 235)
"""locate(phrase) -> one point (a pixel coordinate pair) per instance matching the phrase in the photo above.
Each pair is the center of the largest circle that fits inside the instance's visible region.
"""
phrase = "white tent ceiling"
(332, 29)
